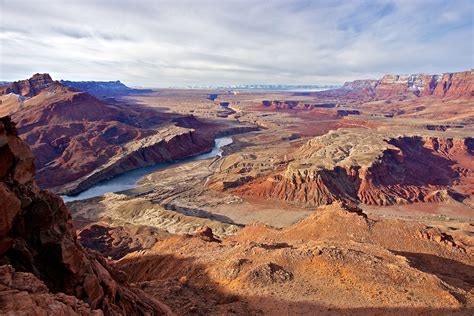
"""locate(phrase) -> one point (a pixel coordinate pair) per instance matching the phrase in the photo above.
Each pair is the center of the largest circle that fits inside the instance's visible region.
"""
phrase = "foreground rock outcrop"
(40, 251)
(22, 293)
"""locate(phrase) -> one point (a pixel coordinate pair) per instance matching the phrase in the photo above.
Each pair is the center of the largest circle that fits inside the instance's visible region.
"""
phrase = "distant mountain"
(103, 89)
(278, 87)
(29, 87)
(58, 274)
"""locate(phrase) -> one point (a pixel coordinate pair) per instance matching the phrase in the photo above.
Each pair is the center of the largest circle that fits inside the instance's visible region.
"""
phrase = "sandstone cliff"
(448, 85)
(170, 143)
(455, 85)
(37, 238)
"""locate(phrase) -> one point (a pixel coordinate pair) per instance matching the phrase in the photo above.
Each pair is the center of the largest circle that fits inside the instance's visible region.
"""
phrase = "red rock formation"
(353, 168)
(361, 84)
(359, 89)
(115, 242)
(37, 236)
(206, 234)
(398, 86)
(455, 85)
(29, 87)
(178, 146)
(450, 85)
(73, 133)
(335, 260)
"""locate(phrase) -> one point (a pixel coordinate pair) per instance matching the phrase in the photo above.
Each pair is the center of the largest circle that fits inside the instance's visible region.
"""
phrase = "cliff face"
(449, 85)
(37, 237)
(178, 143)
(359, 166)
(455, 85)
(393, 86)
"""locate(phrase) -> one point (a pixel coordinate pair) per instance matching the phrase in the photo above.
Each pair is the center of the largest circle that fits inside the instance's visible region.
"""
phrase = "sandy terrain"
(211, 188)
(326, 203)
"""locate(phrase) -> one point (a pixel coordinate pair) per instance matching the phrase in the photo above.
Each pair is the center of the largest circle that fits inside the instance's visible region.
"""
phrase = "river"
(128, 180)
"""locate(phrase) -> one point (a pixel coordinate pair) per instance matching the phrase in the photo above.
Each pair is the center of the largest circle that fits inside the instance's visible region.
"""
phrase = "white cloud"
(162, 43)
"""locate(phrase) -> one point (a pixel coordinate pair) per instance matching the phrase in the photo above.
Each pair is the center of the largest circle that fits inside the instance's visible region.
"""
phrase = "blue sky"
(179, 43)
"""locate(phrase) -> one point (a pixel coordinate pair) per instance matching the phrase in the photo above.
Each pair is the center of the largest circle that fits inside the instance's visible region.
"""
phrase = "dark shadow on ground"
(184, 285)
(450, 271)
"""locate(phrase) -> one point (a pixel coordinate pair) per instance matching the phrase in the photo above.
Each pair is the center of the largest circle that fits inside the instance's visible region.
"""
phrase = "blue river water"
(128, 180)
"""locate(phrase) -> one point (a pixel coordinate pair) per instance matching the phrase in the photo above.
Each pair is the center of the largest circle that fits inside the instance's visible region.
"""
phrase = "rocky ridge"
(171, 142)
(365, 166)
(73, 134)
(311, 267)
(102, 89)
(23, 293)
(448, 85)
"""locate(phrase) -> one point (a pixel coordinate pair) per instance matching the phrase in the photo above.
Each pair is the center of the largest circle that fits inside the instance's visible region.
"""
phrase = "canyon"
(447, 85)
(79, 140)
(363, 166)
(236, 158)
(354, 200)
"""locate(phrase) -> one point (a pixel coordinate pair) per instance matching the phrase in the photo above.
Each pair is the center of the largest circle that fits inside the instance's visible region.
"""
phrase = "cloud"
(164, 43)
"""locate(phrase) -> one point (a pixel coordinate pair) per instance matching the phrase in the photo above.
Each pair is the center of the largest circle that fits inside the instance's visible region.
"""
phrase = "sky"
(223, 42)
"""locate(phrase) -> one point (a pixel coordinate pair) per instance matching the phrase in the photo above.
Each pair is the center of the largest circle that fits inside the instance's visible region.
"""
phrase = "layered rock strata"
(448, 85)
(363, 166)
(73, 134)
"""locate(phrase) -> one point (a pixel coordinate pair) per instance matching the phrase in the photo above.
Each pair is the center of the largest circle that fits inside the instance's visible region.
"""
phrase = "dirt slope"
(336, 261)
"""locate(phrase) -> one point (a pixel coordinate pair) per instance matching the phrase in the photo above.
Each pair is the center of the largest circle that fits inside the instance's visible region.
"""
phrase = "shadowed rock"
(37, 236)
